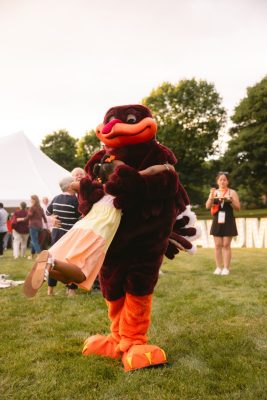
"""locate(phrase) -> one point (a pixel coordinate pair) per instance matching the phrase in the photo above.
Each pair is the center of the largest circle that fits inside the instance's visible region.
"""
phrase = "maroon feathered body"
(149, 204)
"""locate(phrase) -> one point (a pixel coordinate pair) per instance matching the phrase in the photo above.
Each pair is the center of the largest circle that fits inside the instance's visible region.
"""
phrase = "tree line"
(192, 122)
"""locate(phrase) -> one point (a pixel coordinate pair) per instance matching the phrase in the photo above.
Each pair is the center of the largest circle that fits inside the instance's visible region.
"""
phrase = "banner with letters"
(252, 232)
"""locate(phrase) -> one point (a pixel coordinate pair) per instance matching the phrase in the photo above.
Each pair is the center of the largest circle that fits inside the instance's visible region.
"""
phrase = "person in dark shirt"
(65, 208)
(35, 217)
(20, 231)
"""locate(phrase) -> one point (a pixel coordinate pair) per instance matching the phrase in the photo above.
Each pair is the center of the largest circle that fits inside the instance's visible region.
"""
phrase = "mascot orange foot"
(101, 345)
(143, 356)
(130, 319)
(107, 346)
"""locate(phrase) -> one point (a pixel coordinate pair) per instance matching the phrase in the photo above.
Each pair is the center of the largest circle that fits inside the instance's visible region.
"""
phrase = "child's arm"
(156, 169)
(89, 193)
(75, 186)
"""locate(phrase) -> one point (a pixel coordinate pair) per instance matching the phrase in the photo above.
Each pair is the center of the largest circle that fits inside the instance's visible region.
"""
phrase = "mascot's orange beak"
(117, 133)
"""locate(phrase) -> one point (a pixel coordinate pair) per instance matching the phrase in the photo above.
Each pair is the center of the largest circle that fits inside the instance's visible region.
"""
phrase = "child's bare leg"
(68, 272)
(58, 276)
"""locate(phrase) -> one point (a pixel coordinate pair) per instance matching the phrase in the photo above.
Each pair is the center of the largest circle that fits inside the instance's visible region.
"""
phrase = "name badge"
(221, 217)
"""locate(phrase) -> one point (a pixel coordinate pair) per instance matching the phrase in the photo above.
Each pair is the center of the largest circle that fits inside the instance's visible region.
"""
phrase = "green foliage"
(60, 146)
(210, 169)
(212, 328)
(87, 146)
(246, 156)
(190, 117)
(253, 108)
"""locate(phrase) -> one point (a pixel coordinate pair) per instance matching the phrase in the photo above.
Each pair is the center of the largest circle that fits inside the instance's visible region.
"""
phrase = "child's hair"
(102, 170)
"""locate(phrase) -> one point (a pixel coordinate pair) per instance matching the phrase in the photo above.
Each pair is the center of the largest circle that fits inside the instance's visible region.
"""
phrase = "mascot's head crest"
(127, 125)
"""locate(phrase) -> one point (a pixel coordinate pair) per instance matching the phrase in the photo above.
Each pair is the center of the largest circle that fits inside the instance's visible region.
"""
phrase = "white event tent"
(25, 170)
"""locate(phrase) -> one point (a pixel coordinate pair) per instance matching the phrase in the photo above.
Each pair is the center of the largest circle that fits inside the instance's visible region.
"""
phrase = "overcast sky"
(65, 62)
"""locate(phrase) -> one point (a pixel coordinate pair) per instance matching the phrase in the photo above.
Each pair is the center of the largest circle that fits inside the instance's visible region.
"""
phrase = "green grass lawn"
(212, 328)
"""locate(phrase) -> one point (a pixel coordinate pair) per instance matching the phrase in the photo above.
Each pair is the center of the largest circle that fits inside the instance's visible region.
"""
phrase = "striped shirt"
(65, 207)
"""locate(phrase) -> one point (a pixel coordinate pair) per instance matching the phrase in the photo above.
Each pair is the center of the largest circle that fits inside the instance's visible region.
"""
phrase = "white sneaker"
(225, 271)
(217, 271)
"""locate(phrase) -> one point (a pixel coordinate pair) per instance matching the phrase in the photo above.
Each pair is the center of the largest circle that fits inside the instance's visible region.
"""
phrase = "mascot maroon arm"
(129, 188)
(90, 191)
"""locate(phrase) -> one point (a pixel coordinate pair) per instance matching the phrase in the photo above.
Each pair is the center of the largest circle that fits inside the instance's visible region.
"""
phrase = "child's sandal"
(36, 276)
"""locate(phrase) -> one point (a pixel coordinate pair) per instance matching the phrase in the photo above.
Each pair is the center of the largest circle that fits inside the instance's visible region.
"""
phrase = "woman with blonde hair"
(78, 173)
(223, 201)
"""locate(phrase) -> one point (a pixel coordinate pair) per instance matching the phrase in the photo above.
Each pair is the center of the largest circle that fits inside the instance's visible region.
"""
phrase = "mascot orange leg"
(133, 327)
(107, 346)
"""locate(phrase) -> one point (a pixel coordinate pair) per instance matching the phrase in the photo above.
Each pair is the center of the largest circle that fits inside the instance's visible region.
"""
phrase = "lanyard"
(222, 197)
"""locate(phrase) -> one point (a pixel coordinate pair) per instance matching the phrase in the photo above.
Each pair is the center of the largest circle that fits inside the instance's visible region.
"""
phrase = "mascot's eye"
(111, 118)
(131, 119)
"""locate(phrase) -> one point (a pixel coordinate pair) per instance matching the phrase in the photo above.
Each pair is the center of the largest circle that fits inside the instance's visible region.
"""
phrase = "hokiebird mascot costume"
(154, 222)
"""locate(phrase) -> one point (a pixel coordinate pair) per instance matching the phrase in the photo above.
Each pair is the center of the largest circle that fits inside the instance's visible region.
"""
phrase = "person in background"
(35, 218)
(44, 205)
(20, 231)
(78, 173)
(8, 241)
(30, 257)
(222, 202)
(3, 227)
(65, 208)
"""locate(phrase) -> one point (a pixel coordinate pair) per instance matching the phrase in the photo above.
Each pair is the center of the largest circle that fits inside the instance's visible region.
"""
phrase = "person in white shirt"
(44, 205)
(3, 227)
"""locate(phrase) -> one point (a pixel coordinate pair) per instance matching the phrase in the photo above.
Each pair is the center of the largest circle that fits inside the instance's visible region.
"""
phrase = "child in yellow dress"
(78, 256)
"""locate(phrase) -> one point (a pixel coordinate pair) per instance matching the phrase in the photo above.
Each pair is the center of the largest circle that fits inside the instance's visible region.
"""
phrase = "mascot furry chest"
(149, 205)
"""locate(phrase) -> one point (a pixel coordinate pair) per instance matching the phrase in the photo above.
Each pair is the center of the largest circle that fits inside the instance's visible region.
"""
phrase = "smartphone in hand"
(214, 186)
